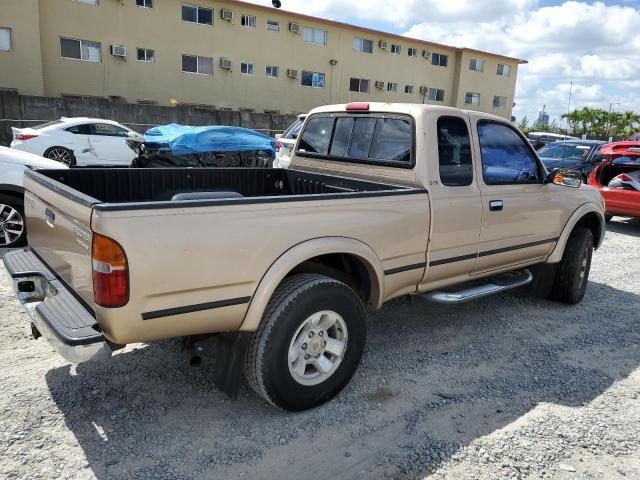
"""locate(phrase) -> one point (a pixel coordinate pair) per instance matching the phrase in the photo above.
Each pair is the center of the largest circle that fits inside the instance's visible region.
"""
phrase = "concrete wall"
(161, 28)
(21, 67)
(138, 117)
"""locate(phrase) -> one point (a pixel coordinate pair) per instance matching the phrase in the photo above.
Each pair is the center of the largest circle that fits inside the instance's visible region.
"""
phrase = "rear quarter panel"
(195, 255)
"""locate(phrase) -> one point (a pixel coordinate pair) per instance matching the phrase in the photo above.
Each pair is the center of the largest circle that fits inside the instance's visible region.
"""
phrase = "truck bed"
(118, 189)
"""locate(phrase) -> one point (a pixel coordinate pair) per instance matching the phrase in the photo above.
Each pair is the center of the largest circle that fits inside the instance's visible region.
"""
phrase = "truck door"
(455, 201)
(521, 218)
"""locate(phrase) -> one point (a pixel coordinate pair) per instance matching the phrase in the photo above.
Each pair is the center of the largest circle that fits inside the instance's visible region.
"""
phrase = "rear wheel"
(573, 271)
(62, 155)
(12, 227)
(309, 343)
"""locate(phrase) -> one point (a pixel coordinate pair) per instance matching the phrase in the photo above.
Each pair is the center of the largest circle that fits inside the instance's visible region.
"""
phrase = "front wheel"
(573, 271)
(62, 155)
(309, 343)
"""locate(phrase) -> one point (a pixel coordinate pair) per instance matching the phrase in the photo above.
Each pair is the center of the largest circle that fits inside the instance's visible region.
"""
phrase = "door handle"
(496, 205)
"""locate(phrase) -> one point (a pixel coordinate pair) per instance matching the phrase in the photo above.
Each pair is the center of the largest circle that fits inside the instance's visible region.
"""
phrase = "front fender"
(587, 208)
(303, 252)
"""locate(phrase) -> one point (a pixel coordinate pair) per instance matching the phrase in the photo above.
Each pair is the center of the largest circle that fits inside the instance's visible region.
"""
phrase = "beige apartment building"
(234, 55)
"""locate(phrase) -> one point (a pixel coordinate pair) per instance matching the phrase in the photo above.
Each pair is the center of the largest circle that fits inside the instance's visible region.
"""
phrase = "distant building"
(543, 118)
(234, 55)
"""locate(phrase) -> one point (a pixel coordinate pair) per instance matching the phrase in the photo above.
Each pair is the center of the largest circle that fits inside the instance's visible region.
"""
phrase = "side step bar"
(497, 284)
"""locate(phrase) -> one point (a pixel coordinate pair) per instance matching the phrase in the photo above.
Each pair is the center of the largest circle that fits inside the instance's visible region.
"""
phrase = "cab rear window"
(359, 139)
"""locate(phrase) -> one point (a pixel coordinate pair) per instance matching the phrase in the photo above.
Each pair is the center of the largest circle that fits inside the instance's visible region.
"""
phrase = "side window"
(506, 159)
(317, 135)
(80, 129)
(107, 130)
(454, 151)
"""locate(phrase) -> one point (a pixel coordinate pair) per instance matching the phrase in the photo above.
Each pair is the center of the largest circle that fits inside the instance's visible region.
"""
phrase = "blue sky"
(595, 45)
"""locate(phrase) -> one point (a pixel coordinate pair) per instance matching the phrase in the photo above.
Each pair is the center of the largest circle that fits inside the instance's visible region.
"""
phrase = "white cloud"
(594, 44)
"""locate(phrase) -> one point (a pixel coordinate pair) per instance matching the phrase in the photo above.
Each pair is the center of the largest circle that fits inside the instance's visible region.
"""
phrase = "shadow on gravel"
(434, 378)
(625, 226)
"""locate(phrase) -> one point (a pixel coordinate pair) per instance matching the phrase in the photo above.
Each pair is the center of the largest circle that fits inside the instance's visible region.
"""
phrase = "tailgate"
(58, 229)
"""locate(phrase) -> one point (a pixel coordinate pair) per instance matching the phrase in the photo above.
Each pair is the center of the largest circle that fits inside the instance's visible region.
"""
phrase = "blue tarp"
(182, 140)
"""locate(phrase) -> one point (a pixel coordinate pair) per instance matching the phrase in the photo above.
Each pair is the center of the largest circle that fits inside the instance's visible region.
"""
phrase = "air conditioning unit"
(426, 54)
(379, 84)
(226, 63)
(424, 90)
(294, 27)
(118, 50)
(384, 44)
(292, 73)
(226, 15)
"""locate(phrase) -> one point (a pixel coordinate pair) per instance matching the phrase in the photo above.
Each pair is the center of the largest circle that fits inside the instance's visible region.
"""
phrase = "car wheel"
(607, 218)
(13, 231)
(62, 155)
(309, 343)
(573, 271)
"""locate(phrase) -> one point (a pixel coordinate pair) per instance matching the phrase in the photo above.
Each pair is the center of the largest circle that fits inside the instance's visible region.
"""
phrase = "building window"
(312, 79)
(194, 14)
(273, 26)
(439, 60)
(246, 68)
(413, 52)
(476, 65)
(499, 102)
(396, 49)
(80, 50)
(199, 65)
(88, 2)
(5, 39)
(435, 95)
(248, 21)
(315, 36)
(144, 3)
(359, 85)
(472, 99)
(504, 70)
(146, 55)
(272, 71)
(362, 45)
(392, 87)
(409, 89)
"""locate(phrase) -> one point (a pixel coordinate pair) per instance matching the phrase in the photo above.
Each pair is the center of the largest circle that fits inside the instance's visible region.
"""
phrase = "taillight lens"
(25, 136)
(110, 273)
(278, 146)
(625, 178)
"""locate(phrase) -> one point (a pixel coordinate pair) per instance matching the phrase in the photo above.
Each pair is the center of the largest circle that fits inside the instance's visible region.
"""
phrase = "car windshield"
(48, 124)
(566, 151)
(294, 130)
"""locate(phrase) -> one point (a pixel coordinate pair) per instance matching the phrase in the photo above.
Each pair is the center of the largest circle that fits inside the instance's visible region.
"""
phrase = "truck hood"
(17, 157)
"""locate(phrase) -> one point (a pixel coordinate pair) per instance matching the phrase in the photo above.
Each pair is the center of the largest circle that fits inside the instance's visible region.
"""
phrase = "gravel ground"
(506, 387)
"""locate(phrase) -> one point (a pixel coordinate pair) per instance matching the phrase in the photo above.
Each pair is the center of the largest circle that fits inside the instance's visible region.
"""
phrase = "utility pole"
(569, 109)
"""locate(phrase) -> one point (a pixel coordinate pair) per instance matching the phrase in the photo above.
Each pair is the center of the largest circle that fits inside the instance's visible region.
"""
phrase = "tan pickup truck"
(381, 200)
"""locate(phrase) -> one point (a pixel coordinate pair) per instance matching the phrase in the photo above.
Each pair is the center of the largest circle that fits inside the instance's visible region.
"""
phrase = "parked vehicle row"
(380, 200)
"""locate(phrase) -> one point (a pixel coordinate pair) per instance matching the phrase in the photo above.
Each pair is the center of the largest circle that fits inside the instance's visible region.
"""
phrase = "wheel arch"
(588, 215)
(344, 259)
(8, 189)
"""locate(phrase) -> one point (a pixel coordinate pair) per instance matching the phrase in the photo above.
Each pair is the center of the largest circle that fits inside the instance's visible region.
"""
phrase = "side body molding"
(303, 252)
(556, 255)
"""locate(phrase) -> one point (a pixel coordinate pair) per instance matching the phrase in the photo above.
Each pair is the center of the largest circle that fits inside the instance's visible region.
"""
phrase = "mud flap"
(544, 276)
(227, 375)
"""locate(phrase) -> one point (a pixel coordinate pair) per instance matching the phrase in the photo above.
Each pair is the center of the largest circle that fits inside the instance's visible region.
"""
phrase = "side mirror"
(564, 177)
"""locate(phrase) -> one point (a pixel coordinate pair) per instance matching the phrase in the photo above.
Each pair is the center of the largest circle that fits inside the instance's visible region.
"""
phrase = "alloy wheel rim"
(11, 225)
(60, 155)
(317, 348)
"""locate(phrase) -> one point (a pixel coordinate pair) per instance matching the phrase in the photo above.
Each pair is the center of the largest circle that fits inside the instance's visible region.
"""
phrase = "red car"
(617, 179)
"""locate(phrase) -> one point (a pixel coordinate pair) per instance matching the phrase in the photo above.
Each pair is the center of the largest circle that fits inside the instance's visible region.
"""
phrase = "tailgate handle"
(50, 214)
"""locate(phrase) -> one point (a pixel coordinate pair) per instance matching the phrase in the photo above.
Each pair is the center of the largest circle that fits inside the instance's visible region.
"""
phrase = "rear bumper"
(54, 311)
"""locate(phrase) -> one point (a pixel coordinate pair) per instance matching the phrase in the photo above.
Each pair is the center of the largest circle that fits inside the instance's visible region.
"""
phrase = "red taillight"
(278, 145)
(625, 178)
(110, 273)
(357, 106)
(25, 136)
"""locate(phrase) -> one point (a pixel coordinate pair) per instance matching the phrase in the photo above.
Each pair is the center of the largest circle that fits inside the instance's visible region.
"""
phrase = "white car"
(13, 163)
(286, 142)
(78, 141)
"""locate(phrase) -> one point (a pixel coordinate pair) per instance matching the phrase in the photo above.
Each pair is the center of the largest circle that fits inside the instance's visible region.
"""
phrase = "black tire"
(573, 271)
(607, 218)
(296, 299)
(7, 240)
(61, 154)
